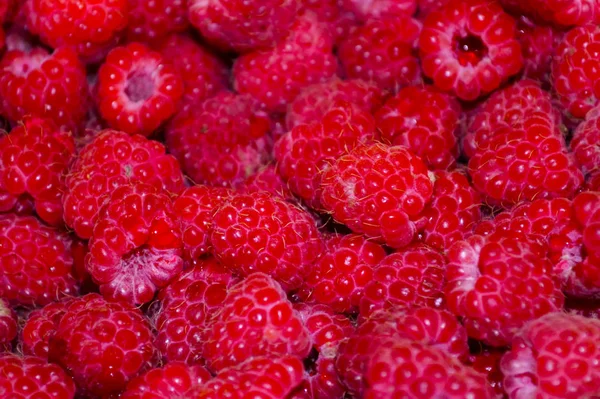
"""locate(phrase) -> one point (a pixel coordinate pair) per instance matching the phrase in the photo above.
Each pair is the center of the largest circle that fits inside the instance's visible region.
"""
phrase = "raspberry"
(241, 25)
(137, 90)
(383, 51)
(487, 362)
(378, 191)
(35, 262)
(29, 377)
(584, 144)
(171, 381)
(336, 20)
(497, 284)
(339, 277)
(586, 208)
(411, 277)
(269, 180)
(35, 156)
(41, 325)
(308, 149)
(427, 6)
(276, 76)
(562, 13)
(365, 9)
(423, 120)
(102, 344)
(185, 306)
(114, 159)
(259, 232)
(149, 21)
(538, 43)
(469, 47)
(255, 319)
(554, 356)
(8, 325)
(46, 85)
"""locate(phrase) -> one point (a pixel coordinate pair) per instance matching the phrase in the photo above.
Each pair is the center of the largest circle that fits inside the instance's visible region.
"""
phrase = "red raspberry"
(241, 25)
(538, 43)
(555, 356)
(46, 85)
(339, 277)
(259, 232)
(114, 159)
(34, 159)
(307, 150)
(222, 140)
(487, 362)
(203, 73)
(29, 377)
(575, 70)
(185, 306)
(102, 344)
(338, 21)
(89, 27)
(411, 277)
(152, 20)
(365, 9)
(255, 319)
(174, 380)
(585, 144)
(469, 47)
(269, 180)
(424, 120)
(383, 51)
(498, 283)
(586, 208)
(562, 13)
(276, 76)
(8, 325)
(427, 6)
(315, 101)
(36, 264)
(137, 90)
(40, 326)
(136, 245)
(378, 191)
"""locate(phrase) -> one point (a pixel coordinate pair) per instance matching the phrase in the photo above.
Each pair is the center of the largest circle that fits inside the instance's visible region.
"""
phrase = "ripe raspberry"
(307, 150)
(34, 159)
(40, 326)
(241, 25)
(562, 13)
(411, 277)
(339, 277)
(90, 28)
(538, 43)
(337, 20)
(315, 101)
(46, 85)
(585, 144)
(152, 20)
(276, 76)
(29, 377)
(586, 207)
(365, 9)
(575, 70)
(498, 283)
(487, 362)
(35, 262)
(269, 180)
(427, 6)
(102, 344)
(185, 306)
(114, 159)
(8, 326)
(423, 120)
(256, 319)
(383, 52)
(378, 191)
(222, 140)
(259, 232)
(555, 356)
(137, 90)
(469, 47)
(203, 73)
(174, 380)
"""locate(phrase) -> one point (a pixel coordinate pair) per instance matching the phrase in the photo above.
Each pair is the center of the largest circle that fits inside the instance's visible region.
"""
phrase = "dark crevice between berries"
(139, 87)
(310, 363)
(469, 49)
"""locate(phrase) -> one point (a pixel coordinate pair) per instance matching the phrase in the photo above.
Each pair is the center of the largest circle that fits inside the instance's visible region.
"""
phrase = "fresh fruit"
(40, 326)
(8, 325)
(172, 380)
(153, 20)
(364, 9)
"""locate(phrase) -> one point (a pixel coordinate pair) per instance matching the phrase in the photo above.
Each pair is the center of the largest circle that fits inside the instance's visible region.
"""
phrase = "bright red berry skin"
(383, 52)
(40, 326)
(469, 47)
(153, 20)
(308, 149)
(173, 380)
(34, 158)
(46, 85)
(240, 25)
(8, 325)
(32, 378)
(379, 191)
(102, 344)
(498, 283)
(336, 19)
(424, 120)
(538, 43)
(487, 362)
(268, 179)
(411, 277)
(555, 356)
(35, 262)
(586, 208)
(259, 232)
(255, 319)
(185, 306)
(274, 77)
(584, 144)
(561, 13)
(114, 159)
(365, 9)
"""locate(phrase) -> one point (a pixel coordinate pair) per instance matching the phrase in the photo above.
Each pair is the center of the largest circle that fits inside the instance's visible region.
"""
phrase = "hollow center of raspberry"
(139, 87)
(469, 49)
